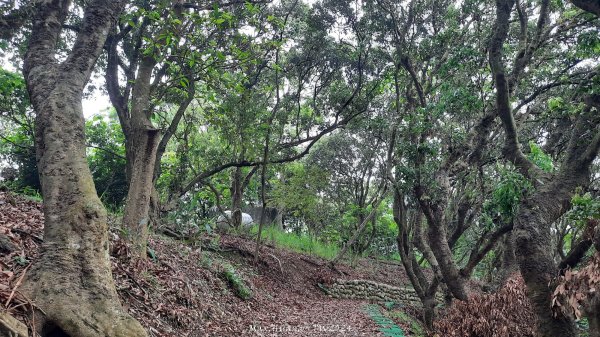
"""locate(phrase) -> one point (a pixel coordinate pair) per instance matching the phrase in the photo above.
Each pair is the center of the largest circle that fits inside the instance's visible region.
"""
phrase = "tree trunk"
(508, 262)
(593, 317)
(278, 222)
(438, 241)
(71, 281)
(437, 234)
(429, 304)
(534, 253)
(236, 198)
(532, 228)
(143, 140)
(425, 289)
(154, 212)
(137, 206)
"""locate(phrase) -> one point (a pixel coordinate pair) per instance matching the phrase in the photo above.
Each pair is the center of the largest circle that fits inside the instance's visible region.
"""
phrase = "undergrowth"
(298, 243)
(506, 313)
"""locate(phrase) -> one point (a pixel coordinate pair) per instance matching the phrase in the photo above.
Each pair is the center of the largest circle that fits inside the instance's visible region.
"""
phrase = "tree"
(330, 85)
(554, 190)
(166, 50)
(71, 282)
(355, 162)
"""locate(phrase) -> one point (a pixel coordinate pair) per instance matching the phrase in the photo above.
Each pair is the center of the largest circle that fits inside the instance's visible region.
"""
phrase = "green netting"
(386, 325)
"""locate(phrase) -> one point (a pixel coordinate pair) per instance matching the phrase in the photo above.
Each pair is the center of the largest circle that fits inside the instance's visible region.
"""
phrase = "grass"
(28, 193)
(298, 243)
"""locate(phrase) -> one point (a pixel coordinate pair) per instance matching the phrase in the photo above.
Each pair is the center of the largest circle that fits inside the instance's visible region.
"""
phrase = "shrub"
(506, 313)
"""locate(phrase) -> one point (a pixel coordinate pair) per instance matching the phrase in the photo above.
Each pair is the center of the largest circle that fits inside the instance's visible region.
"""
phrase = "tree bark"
(71, 281)
(438, 237)
(141, 146)
(534, 255)
(508, 264)
(594, 320)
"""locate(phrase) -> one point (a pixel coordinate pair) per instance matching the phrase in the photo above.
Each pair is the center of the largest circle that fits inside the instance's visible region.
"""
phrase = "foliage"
(541, 159)
(106, 157)
(319, 88)
(585, 207)
(188, 219)
(17, 152)
(508, 192)
(506, 313)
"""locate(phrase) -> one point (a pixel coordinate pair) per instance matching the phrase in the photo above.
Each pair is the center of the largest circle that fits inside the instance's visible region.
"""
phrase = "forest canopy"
(459, 138)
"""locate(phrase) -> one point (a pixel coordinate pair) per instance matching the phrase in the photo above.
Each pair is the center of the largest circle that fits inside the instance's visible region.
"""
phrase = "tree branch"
(99, 18)
(591, 6)
(512, 148)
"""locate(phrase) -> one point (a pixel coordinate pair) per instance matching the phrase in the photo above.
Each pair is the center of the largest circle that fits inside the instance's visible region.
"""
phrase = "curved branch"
(512, 148)
(479, 253)
(590, 6)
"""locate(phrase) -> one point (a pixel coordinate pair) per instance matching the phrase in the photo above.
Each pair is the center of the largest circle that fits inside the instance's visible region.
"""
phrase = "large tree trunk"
(137, 207)
(71, 281)
(143, 140)
(438, 241)
(437, 234)
(537, 265)
(508, 263)
(425, 289)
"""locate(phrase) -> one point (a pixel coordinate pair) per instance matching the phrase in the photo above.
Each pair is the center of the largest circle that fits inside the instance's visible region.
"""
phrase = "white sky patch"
(97, 103)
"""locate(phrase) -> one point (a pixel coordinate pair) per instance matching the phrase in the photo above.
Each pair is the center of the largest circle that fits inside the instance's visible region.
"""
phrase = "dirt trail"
(316, 317)
(183, 290)
(287, 301)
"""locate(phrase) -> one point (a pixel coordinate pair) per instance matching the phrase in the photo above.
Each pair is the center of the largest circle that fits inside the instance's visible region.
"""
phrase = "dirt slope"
(185, 290)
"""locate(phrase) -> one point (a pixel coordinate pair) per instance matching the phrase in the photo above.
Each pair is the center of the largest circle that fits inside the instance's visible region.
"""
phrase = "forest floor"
(209, 285)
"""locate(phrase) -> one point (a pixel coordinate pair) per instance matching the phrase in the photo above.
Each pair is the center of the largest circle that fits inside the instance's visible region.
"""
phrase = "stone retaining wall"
(370, 290)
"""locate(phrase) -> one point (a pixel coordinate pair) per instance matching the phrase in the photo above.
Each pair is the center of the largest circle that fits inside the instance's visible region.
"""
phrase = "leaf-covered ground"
(184, 290)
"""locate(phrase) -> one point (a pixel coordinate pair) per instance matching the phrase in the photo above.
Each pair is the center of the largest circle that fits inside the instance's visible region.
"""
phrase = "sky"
(97, 103)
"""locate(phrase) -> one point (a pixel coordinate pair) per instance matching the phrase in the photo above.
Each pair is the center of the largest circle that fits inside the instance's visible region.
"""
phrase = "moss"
(236, 282)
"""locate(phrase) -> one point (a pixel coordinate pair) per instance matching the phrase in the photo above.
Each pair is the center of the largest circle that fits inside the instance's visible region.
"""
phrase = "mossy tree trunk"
(71, 282)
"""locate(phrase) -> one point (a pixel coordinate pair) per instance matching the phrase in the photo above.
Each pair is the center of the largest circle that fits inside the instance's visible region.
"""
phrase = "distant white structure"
(223, 223)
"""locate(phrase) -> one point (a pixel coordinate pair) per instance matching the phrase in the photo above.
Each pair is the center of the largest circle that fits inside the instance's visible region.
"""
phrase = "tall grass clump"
(298, 243)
